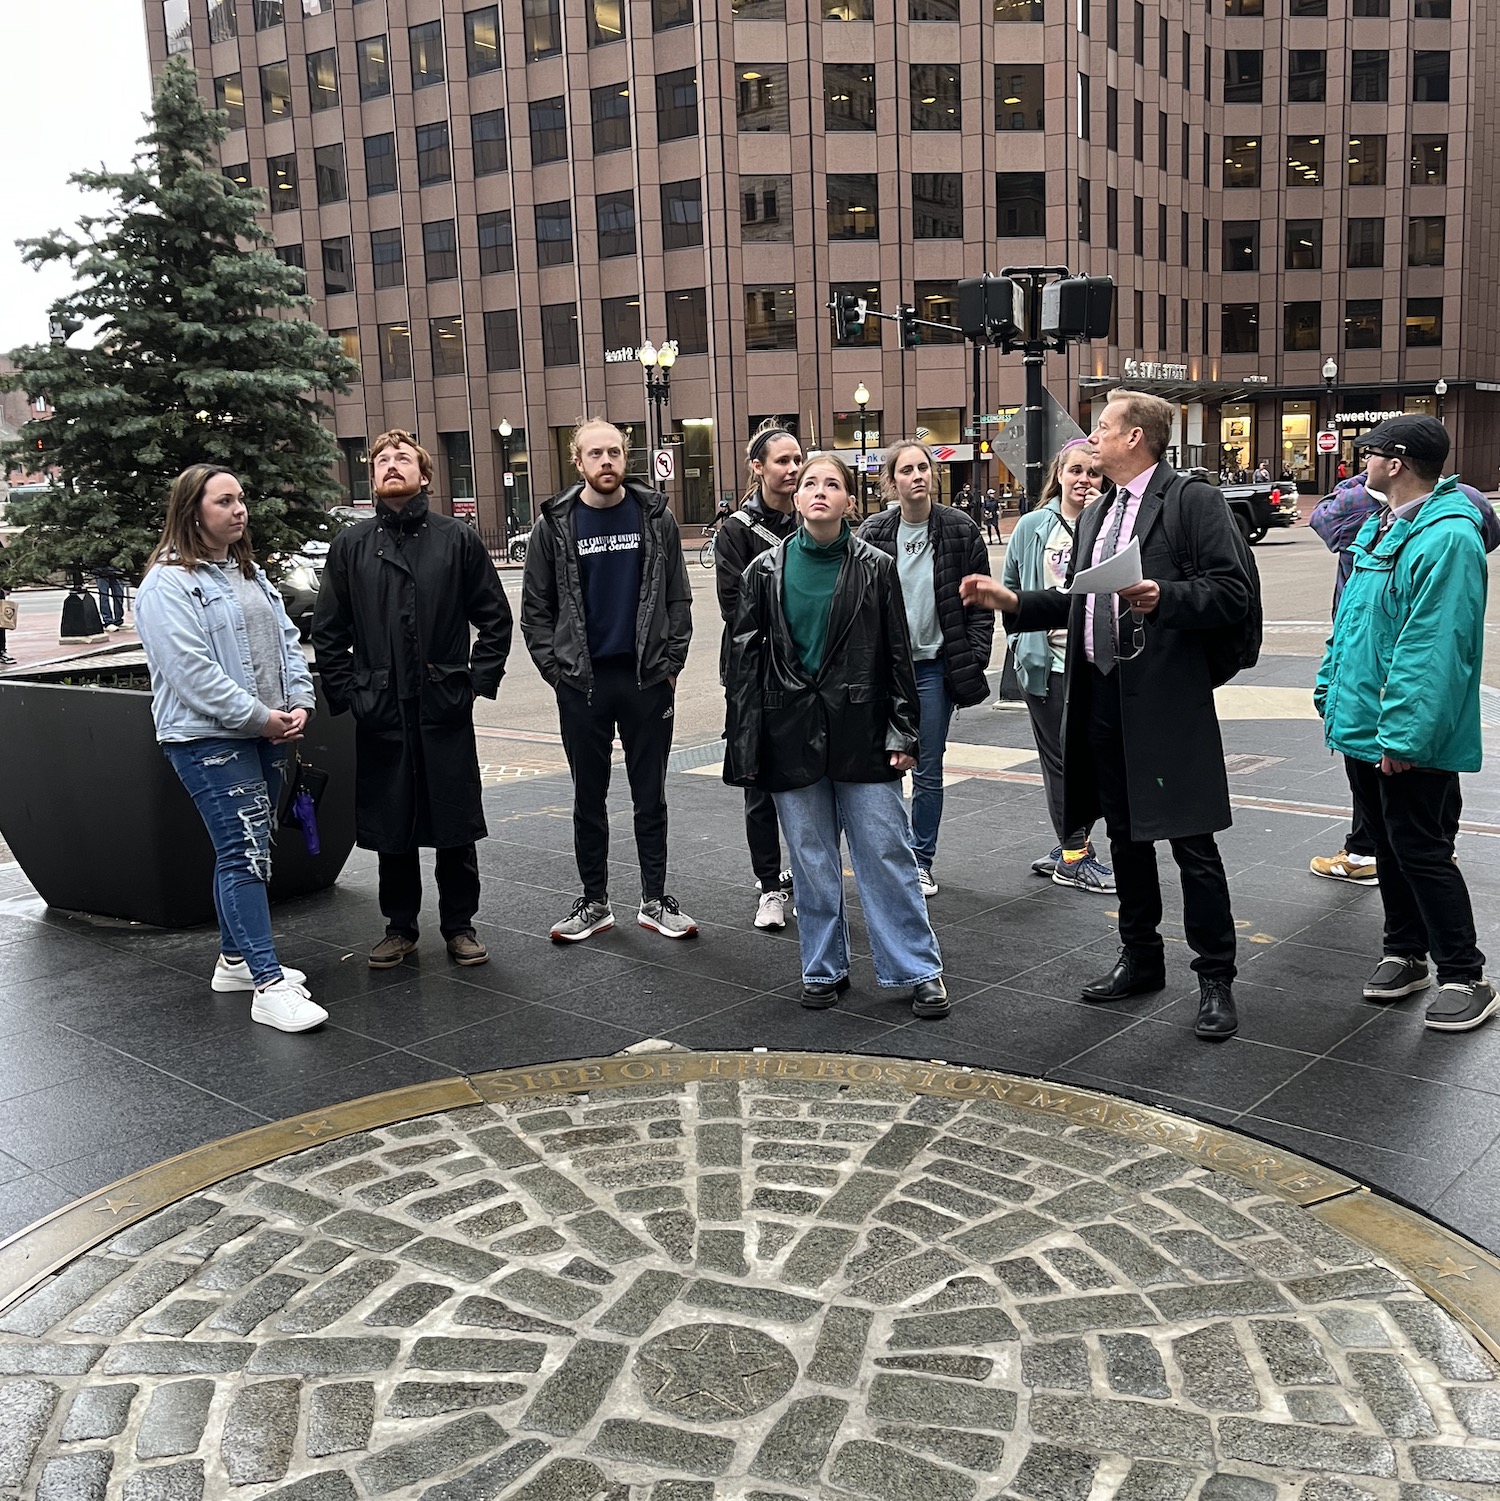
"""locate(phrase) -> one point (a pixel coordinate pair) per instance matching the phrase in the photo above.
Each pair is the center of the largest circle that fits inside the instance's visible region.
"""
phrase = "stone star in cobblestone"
(117, 1206)
(709, 1372)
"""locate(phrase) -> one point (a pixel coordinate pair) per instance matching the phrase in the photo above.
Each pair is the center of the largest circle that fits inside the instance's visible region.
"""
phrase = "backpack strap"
(1172, 526)
(763, 532)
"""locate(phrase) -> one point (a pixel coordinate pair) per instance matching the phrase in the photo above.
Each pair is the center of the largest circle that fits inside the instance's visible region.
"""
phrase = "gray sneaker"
(1397, 975)
(586, 919)
(1462, 1007)
(667, 918)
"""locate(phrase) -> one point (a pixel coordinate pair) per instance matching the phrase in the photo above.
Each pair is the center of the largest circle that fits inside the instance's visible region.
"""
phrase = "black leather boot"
(1216, 1013)
(821, 997)
(1133, 974)
(929, 1000)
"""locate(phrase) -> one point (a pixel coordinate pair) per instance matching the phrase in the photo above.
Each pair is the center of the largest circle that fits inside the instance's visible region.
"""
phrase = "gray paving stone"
(1226, 1487)
(753, 1302)
(1320, 1488)
(437, 1353)
(973, 1326)
(930, 1224)
(331, 1485)
(182, 1481)
(259, 1432)
(881, 1246)
(157, 1229)
(858, 1197)
(270, 1295)
(336, 1297)
(76, 1477)
(55, 1300)
(961, 1292)
(1357, 1282)
(1001, 1237)
(719, 1144)
(503, 1147)
(1292, 1447)
(1478, 1410)
(607, 1238)
(493, 1221)
(339, 1418)
(923, 1399)
(219, 1232)
(838, 1356)
(490, 1313)
(1093, 1311)
(535, 1240)
(319, 1256)
(1133, 1367)
(1441, 1340)
(581, 1269)
(1148, 1173)
(898, 1281)
(449, 1259)
(1204, 1255)
(1309, 1232)
(371, 1232)
(964, 1367)
(455, 1201)
(25, 1358)
(644, 1200)
(390, 1191)
(25, 1410)
(958, 1201)
(1317, 1406)
(788, 1201)
(1392, 1395)
(901, 1145)
(771, 1238)
(486, 1481)
(327, 1154)
(418, 1152)
(1137, 1429)
(410, 1305)
(255, 1258)
(642, 1303)
(428, 1399)
(682, 1490)
(722, 1251)
(1215, 1373)
(979, 1153)
(174, 1419)
(1081, 1269)
(1277, 1258)
(884, 1473)
(1085, 1201)
(175, 1358)
(719, 1196)
(555, 1193)
(1356, 1326)
(656, 1445)
(443, 1449)
(972, 1451)
(1129, 1252)
(294, 1204)
(799, 1441)
(1027, 1277)
(1214, 1215)
(1150, 1480)
(1467, 1465)
(818, 1255)
(933, 1110)
(128, 1300)
(1050, 1473)
(568, 1399)
(1292, 1355)
(1064, 1153)
(674, 1230)
(1221, 1300)
(540, 1290)
(980, 1179)
(562, 1480)
(98, 1412)
(315, 1356)
(1061, 1365)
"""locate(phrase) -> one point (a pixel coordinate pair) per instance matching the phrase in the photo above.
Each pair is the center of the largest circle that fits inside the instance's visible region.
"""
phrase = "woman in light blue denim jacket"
(230, 692)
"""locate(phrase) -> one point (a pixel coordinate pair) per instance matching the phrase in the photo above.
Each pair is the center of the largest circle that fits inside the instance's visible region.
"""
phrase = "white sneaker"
(235, 975)
(770, 911)
(111, 629)
(925, 881)
(286, 1007)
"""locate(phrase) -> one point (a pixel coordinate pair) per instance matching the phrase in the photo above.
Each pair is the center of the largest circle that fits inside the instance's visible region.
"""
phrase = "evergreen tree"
(203, 354)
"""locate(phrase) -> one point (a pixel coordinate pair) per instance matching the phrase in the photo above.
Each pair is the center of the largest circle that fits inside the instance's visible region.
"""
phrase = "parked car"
(1252, 505)
(1284, 508)
(298, 582)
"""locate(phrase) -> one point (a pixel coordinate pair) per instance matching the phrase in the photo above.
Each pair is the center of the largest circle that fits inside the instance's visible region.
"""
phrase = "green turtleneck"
(809, 575)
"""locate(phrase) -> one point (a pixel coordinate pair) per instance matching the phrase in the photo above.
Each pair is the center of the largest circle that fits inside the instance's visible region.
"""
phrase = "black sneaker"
(1460, 1007)
(1397, 975)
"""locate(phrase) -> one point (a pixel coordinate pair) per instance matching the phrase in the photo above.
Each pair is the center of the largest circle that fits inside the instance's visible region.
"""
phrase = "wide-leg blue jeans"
(936, 708)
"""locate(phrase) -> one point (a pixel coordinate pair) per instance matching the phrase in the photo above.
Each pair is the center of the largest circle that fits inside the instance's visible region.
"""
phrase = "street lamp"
(862, 400)
(507, 480)
(1440, 391)
(1330, 381)
(657, 364)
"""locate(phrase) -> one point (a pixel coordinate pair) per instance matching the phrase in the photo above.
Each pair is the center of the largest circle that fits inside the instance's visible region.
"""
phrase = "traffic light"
(986, 448)
(1077, 308)
(991, 307)
(911, 335)
(848, 313)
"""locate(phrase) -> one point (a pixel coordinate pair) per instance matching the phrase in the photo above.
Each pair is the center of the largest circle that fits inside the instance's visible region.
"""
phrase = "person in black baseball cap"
(1422, 442)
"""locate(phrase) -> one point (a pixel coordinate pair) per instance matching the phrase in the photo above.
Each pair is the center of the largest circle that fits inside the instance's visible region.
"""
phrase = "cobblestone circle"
(757, 1290)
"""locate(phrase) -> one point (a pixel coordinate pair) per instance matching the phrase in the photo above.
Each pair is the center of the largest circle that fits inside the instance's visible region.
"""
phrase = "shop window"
(1429, 77)
(1307, 76)
(482, 40)
(621, 318)
(1020, 204)
(853, 206)
(616, 223)
(282, 171)
(440, 250)
(1304, 326)
(869, 335)
(1304, 161)
(765, 208)
(1425, 240)
(760, 98)
(1424, 322)
(395, 351)
(677, 105)
(229, 96)
(447, 335)
(1020, 93)
(497, 243)
(687, 320)
(847, 10)
(549, 131)
(554, 233)
(502, 340)
(681, 214)
(1241, 161)
(1366, 161)
(1138, 225)
(1429, 160)
(1304, 244)
(1366, 243)
(434, 156)
(1241, 245)
(1370, 76)
(338, 266)
(386, 260)
(372, 59)
(1243, 71)
(848, 96)
(487, 135)
(559, 334)
(427, 63)
(1362, 320)
(606, 21)
(1241, 328)
(936, 97)
(322, 80)
(770, 318)
(1237, 437)
(276, 91)
(609, 112)
(1298, 460)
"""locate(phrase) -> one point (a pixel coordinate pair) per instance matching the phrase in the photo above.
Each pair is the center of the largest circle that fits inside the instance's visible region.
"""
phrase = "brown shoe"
(391, 950)
(465, 948)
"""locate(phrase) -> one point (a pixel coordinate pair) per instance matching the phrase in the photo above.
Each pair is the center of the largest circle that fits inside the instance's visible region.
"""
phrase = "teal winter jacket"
(1025, 568)
(1400, 673)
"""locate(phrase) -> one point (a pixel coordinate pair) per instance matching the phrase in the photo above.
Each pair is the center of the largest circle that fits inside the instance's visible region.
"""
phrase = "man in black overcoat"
(391, 630)
(1141, 741)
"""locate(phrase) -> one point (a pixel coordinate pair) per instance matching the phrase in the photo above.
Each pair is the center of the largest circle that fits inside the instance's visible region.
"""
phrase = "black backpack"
(1231, 648)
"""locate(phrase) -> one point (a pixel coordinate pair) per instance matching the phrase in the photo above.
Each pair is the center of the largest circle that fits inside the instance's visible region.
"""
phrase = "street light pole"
(862, 400)
(1330, 382)
(507, 481)
(657, 365)
(1440, 391)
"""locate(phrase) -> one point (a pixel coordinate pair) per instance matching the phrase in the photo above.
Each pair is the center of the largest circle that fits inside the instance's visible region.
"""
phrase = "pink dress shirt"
(1133, 493)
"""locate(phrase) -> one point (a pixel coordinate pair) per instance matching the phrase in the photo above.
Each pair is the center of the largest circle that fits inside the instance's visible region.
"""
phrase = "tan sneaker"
(466, 949)
(1340, 867)
(391, 950)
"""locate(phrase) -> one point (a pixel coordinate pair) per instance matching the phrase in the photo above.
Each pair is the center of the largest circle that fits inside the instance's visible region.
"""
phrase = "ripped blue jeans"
(236, 785)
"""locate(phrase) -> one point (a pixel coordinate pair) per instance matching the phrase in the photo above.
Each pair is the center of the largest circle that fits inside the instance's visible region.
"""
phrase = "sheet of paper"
(1112, 575)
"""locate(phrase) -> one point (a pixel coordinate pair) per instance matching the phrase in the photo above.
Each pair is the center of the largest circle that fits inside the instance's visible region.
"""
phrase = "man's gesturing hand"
(1143, 597)
(982, 590)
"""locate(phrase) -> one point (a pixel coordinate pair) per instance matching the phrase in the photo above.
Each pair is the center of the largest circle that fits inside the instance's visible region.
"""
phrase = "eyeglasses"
(1137, 638)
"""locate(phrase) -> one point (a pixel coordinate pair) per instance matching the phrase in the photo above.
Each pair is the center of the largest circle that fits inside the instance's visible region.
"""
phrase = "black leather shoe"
(1216, 1014)
(929, 1000)
(1132, 975)
(821, 997)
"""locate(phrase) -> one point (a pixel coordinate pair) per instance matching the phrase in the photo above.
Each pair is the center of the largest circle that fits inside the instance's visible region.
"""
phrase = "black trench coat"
(1174, 757)
(391, 632)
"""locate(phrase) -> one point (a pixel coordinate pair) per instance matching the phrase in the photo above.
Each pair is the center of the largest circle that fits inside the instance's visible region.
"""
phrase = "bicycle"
(706, 552)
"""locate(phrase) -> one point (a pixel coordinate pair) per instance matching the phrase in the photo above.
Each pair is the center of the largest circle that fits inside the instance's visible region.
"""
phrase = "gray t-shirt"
(914, 565)
(264, 630)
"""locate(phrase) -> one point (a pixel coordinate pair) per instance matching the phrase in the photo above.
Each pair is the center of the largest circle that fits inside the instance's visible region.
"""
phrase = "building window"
(622, 323)
(269, 13)
(681, 214)
(1241, 161)
(606, 21)
(554, 233)
(223, 23)
(1308, 8)
(1138, 227)
(616, 218)
(1366, 161)
(541, 21)
(502, 340)
(1241, 328)
(1112, 117)
(1424, 322)
(447, 336)
(1085, 107)
(179, 27)
(936, 97)
(1161, 236)
(276, 91)
(1429, 78)
(770, 318)
(1020, 89)
(687, 320)
(549, 131)
(497, 245)
(373, 59)
(932, 10)
(1304, 161)
(1433, 10)
(1297, 459)
(329, 175)
(356, 450)
(559, 334)
(853, 206)
(440, 250)
(760, 102)
(1138, 129)
(937, 302)
(1366, 242)
(322, 80)
(1304, 326)
(426, 42)
(434, 158)
(1020, 10)
(291, 255)
(848, 96)
(677, 105)
(668, 13)
(1112, 219)
(282, 171)
(482, 40)
(395, 351)
(765, 208)
(1372, 7)
(868, 335)
(846, 10)
(487, 131)
(1304, 244)
(1362, 320)
(457, 448)
(386, 259)
(1243, 69)
(1429, 161)
(609, 108)
(229, 96)
(1369, 76)
(1020, 204)
(937, 205)
(1307, 76)
(1085, 227)
(1244, 7)
(1425, 238)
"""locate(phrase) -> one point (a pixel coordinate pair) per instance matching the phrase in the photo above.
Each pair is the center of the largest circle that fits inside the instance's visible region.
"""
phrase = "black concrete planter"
(98, 820)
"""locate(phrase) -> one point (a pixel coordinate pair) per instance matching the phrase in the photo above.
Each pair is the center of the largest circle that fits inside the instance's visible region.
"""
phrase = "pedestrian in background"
(1399, 694)
(765, 519)
(109, 581)
(823, 714)
(391, 628)
(1039, 557)
(934, 547)
(6, 660)
(607, 613)
(230, 694)
(992, 517)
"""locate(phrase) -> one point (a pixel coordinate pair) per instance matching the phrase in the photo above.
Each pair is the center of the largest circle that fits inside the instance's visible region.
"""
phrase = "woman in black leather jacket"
(823, 715)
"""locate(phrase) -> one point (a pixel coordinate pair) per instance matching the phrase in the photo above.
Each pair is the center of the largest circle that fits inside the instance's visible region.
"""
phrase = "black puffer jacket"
(747, 533)
(968, 633)
(787, 730)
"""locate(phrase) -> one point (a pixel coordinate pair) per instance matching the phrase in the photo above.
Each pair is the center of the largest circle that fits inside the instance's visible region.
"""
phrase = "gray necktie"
(1104, 604)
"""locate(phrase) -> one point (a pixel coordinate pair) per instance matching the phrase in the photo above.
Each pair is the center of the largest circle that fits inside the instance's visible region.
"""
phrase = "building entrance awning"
(1182, 392)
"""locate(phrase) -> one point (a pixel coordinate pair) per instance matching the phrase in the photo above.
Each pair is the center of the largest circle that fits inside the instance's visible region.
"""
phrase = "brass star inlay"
(117, 1206)
(313, 1129)
(1448, 1267)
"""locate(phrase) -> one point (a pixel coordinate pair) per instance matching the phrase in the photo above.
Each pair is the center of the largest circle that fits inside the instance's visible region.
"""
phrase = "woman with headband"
(1040, 549)
(765, 519)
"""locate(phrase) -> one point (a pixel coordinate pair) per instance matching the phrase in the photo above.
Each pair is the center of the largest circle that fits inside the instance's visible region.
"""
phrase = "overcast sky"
(76, 87)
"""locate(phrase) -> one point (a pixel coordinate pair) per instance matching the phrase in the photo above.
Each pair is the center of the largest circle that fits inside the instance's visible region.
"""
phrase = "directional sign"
(1328, 441)
(1010, 441)
(661, 463)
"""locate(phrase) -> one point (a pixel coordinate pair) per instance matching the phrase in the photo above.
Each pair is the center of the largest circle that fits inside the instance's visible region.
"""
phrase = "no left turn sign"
(661, 463)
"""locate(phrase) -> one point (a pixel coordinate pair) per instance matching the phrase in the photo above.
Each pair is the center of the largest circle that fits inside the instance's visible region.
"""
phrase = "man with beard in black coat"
(391, 632)
(1141, 738)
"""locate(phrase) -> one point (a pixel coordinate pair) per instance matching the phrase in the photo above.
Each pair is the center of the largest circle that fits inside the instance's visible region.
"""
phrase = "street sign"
(968, 432)
(991, 419)
(1328, 441)
(661, 463)
(510, 479)
(1010, 441)
(465, 508)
